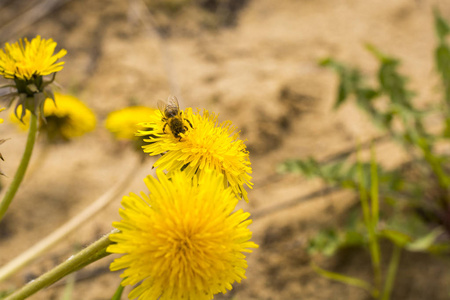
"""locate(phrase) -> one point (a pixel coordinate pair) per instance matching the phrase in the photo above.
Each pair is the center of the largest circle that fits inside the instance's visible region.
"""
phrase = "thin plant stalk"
(59, 234)
(68, 289)
(118, 294)
(363, 194)
(371, 216)
(18, 177)
(374, 187)
(90, 254)
(375, 209)
(356, 282)
(391, 273)
(370, 226)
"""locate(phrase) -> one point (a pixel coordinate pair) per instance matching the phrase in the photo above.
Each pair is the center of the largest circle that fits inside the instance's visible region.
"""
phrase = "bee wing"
(161, 106)
(172, 101)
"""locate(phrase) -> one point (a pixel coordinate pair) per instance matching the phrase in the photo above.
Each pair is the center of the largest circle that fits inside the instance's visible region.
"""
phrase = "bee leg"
(164, 128)
(188, 123)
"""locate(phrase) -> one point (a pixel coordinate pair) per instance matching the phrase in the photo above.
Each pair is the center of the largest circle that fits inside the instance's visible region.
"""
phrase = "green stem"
(11, 192)
(369, 221)
(118, 294)
(363, 195)
(346, 280)
(392, 271)
(72, 225)
(93, 252)
(374, 187)
(374, 245)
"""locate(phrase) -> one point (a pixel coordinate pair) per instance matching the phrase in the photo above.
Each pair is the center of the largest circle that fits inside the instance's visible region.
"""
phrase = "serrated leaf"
(441, 26)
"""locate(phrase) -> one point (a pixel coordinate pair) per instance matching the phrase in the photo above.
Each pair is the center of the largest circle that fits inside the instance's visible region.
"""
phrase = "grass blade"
(356, 282)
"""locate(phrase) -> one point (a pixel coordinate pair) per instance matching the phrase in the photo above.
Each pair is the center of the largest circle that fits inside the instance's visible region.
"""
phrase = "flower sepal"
(34, 104)
(32, 88)
(9, 97)
(7, 86)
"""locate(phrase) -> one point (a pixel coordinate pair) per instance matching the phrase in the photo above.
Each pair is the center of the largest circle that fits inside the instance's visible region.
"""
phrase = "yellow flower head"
(183, 240)
(67, 119)
(24, 59)
(2, 109)
(205, 144)
(123, 123)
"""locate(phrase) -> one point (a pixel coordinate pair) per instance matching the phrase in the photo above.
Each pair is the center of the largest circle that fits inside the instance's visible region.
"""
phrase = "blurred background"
(252, 62)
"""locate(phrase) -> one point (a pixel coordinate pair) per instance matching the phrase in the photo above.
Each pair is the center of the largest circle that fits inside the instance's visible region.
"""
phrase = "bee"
(173, 117)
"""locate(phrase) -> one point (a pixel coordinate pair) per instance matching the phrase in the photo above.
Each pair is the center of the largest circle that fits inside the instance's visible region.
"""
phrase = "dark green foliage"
(442, 28)
(442, 61)
(330, 240)
(351, 82)
(414, 200)
(341, 173)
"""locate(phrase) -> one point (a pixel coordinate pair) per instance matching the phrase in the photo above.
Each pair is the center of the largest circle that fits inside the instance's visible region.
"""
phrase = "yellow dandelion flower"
(205, 144)
(67, 119)
(123, 123)
(183, 240)
(25, 59)
(2, 109)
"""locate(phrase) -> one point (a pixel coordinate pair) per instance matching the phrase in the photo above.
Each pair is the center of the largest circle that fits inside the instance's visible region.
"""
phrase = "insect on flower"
(173, 117)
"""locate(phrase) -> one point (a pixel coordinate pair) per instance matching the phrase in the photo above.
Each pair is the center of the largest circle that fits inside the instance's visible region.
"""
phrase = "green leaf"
(391, 273)
(353, 238)
(376, 52)
(343, 91)
(392, 83)
(341, 173)
(326, 62)
(442, 59)
(345, 279)
(397, 237)
(425, 242)
(349, 80)
(367, 94)
(440, 248)
(442, 28)
(446, 131)
(326, 242)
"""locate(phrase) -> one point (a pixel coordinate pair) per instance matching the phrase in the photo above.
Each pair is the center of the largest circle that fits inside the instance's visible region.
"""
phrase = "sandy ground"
(260, 71)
